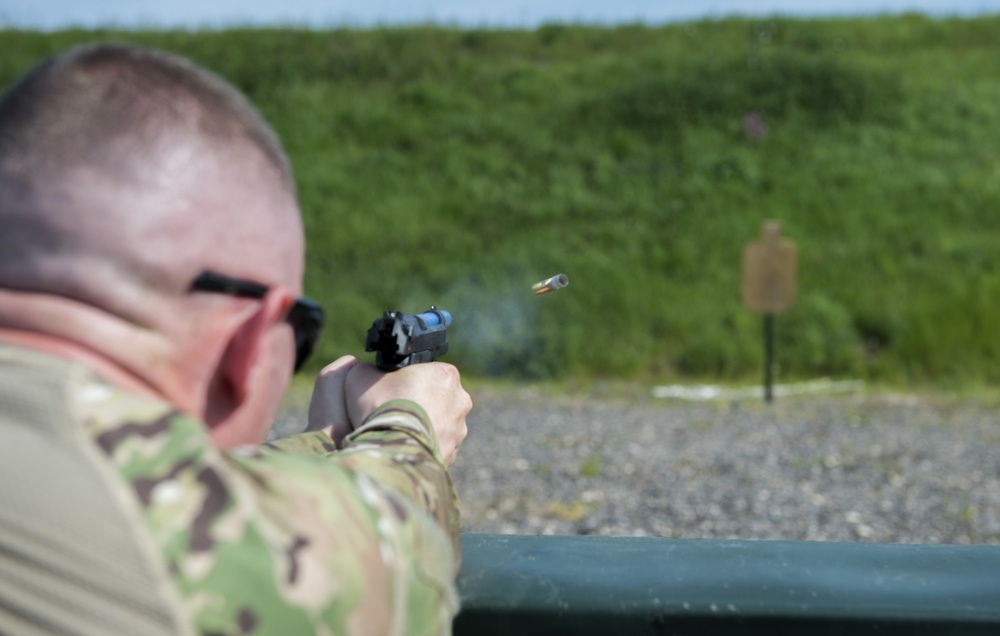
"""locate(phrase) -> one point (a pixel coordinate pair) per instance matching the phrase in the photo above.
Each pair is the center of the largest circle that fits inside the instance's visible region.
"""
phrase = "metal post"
(768, 357)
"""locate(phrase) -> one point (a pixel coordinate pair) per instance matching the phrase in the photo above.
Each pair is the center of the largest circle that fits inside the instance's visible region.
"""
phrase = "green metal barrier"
(516, 584)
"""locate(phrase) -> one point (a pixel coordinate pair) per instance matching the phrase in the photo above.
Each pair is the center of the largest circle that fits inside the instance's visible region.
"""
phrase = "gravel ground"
(849, 468)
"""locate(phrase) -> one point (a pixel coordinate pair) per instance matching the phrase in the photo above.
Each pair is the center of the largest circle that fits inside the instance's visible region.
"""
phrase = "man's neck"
(76, 352)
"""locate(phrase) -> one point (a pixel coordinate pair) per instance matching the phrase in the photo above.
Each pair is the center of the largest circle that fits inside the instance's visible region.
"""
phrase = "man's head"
(125, 173)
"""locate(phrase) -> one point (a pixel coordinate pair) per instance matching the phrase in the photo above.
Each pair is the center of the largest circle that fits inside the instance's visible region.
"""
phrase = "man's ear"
(247, 342)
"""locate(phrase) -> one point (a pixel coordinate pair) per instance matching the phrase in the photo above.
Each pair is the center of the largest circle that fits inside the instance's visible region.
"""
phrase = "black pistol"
(400, 339)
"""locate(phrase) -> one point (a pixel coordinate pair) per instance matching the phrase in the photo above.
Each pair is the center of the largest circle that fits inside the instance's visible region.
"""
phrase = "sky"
(56, 14)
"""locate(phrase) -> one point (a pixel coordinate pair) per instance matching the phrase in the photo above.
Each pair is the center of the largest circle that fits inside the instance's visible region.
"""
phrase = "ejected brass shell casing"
(550, 284)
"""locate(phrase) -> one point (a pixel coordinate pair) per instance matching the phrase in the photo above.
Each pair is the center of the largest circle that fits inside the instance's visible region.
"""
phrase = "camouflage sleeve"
(306, 541)
(396, 445)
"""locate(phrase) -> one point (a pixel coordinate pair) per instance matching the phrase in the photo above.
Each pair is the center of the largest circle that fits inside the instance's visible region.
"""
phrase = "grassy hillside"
(457, 167)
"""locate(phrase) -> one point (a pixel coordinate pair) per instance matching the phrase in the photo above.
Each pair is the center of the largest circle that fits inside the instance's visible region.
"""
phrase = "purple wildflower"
(754, 126)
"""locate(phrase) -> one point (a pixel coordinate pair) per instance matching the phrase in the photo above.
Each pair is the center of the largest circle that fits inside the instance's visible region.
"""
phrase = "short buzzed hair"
(104, 104)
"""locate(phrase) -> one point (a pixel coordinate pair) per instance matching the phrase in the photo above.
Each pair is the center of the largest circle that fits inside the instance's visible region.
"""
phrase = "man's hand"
(328, 407)
(347, 391)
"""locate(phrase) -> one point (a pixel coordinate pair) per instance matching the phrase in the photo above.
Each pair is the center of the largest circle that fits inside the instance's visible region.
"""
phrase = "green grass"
(591, 466)
(456, 167)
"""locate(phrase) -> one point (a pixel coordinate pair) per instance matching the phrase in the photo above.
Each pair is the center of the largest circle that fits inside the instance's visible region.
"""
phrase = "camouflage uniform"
(293, 537)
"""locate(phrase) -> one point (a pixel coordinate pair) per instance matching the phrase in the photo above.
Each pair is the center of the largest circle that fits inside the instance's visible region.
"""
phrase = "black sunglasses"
(305, 316)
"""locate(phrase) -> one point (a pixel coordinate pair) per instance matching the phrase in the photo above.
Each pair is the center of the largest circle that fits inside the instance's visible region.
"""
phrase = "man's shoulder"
(102, 406)
(139, 434)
